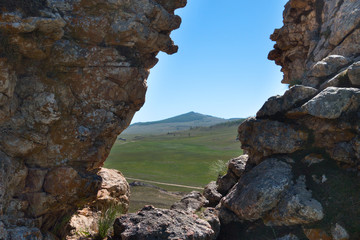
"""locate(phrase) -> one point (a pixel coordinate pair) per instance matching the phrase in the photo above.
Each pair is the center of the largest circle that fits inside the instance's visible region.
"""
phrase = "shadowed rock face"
(73, 73)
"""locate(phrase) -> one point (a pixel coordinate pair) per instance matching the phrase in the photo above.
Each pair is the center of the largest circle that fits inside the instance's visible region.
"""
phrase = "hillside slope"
(177, 123)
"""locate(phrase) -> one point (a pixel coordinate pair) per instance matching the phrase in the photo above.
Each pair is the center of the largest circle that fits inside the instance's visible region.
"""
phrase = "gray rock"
(211, 216)
(3, 232)
(296, 207)
(191, 202)
(237, 165)
(152, 223)
(343, 152)
(279, 104)
(339, 233)
(263, 138)
(328, 66)
(258, 191)
(332, 102)
(354, 73)
(226, 216)
(288, 237)
(339, 80)
(226, 182)
(211, 194)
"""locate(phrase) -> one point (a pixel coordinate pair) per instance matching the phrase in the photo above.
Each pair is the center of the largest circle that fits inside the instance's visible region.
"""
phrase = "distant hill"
(177, 123)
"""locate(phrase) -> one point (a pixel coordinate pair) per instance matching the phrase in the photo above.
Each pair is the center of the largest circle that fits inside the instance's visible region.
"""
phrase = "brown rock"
(316, 234)
(191, 202)
(73, 73)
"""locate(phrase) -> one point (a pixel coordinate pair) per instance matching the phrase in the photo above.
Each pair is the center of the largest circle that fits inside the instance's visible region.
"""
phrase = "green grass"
(180, 157)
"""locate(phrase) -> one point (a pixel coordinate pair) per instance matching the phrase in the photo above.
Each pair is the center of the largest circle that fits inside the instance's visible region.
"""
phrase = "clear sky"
(221, 68)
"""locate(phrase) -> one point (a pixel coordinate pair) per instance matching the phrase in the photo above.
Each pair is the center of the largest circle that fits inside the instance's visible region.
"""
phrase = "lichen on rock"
(73, 73)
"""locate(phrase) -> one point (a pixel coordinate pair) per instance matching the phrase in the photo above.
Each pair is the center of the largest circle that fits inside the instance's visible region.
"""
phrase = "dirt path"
(166, 184)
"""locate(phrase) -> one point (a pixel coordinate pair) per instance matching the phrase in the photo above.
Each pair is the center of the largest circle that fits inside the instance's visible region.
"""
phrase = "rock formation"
(300, 176)
(73, 73)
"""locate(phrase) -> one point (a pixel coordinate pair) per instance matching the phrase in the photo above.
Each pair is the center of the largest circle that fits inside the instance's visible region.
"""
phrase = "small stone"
(288, 237)
(191, 202)
(211, 194)
(313, 159)
(339, 233)
(354, 73)
(316, 234)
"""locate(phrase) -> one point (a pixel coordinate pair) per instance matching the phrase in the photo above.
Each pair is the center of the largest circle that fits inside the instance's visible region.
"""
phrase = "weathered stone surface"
(354, 73)
(315, 234)
(332, 102)
(153, 223)
(339, 233)
(114, 189)
(296, 207)
(226, 182)
(211, 194)
(72, 75)
(267, 137)
(24, 233)
(237, 165)
(296, 95)
(339, 80)
(114, 193)
(258, 191)
(191, 202)
(211, 216)
(288, 237)
(328, 66)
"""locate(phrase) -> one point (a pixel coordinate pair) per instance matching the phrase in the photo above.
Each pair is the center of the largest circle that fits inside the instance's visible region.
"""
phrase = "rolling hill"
(177, 123)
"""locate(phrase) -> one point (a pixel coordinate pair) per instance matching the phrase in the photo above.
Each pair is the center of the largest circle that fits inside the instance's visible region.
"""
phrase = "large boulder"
(73, 73)
(153, 223)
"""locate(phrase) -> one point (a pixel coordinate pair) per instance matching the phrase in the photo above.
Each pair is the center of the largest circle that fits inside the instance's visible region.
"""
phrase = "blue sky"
(221, 68)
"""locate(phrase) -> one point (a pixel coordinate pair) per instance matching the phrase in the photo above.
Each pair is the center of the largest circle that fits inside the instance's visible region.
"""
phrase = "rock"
(258, 191)
(211, 216)
(296, 95)
(211, 194)
(114, 189)
(313, 159)
(73, 74)
(328, 66)
(24, 233)
(316, 234)
(296, 207)
(3, 232)
(225, 183)
(354, 74)
(226, 216)
(237, 165)
(339, 233)
(191, 202)
(113, 194)
(288, 237)
(332, 102)
(162, 224)
(340, 80)
(267, 137)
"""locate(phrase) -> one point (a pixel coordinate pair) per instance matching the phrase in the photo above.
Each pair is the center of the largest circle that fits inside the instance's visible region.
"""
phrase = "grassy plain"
(182, 157)
(188, 157)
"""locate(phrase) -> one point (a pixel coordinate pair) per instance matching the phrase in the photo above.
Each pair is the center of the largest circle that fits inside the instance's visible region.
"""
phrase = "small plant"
(218, 168)
(107, 219)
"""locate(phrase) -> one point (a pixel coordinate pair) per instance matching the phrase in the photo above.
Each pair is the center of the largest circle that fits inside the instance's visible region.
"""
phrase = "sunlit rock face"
(72, 75)
(302, 148)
